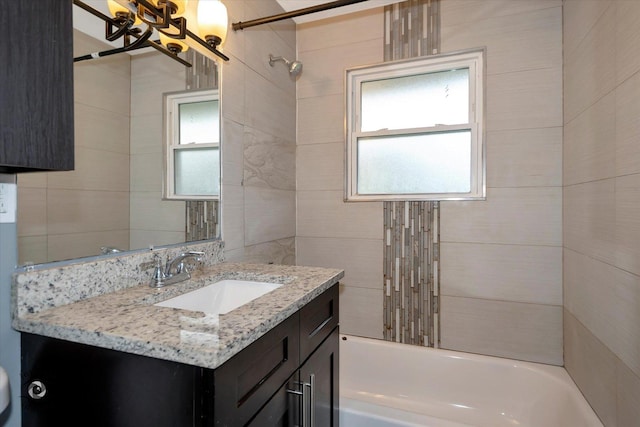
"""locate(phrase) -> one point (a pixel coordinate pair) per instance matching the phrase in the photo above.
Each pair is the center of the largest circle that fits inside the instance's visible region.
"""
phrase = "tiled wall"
(602, 205)
(501, 282)
(329, 231)
(258, 148)
(69, 214)
(153, 221)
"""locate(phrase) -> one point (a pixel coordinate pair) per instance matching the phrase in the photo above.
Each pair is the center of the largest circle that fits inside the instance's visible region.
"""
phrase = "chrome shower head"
(295, 67)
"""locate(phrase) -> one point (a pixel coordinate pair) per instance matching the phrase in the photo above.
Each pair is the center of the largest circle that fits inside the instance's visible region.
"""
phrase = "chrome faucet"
(175, 270)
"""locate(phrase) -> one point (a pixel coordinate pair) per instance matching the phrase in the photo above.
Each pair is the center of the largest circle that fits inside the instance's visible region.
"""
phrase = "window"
(415, 129)
(192, 145)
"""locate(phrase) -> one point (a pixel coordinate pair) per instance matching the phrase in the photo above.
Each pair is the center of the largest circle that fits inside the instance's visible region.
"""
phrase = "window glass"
(415, 164)
(415, 129)
(423, 100)
(199, 123)
(197, 172)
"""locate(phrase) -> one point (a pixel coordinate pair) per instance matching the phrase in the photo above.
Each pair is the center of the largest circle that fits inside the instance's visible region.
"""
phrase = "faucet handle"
(157, 280)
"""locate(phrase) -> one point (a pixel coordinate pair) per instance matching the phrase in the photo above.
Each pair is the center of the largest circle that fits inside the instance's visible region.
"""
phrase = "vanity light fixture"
(181, 24)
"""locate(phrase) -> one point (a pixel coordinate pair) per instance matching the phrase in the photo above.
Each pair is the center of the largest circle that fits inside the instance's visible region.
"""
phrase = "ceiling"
(289, 5)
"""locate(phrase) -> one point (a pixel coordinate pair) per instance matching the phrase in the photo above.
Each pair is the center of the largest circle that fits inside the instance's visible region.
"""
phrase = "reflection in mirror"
(113, 199)
(192, 145)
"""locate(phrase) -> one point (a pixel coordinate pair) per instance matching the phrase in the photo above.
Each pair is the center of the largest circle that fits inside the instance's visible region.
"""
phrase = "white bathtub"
(386, 384)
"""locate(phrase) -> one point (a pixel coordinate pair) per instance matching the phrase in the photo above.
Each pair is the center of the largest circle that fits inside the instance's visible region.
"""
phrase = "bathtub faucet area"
(175, 271)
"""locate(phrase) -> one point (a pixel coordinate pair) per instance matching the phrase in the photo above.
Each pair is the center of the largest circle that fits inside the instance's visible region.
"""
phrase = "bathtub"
(385, 384)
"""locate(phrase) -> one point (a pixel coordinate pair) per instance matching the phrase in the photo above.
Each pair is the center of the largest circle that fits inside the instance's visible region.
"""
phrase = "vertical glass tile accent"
(202, 217)
(411, 229)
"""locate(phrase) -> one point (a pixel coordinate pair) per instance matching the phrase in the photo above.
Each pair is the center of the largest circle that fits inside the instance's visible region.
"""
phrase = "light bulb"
(174, 45)
(212, 21)
(115, 7)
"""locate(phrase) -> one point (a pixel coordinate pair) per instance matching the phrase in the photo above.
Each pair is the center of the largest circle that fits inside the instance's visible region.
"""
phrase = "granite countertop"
(126, 320)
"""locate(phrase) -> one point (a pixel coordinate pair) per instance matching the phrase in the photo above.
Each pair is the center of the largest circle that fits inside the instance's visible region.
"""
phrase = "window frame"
(472, 59)
(171, 140)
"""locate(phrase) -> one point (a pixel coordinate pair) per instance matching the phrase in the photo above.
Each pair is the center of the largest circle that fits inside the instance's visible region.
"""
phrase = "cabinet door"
(319, 376)
(36, 85)
(317, 320)
(79, 385)
(244, 383)
(284, 408)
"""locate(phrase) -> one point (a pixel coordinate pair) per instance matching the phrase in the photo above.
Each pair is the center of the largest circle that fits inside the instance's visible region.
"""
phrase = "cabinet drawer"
(246, 382)
(317, 320)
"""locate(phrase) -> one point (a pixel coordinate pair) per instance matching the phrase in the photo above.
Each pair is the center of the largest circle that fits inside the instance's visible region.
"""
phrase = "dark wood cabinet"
(36, 86)
(276, 381)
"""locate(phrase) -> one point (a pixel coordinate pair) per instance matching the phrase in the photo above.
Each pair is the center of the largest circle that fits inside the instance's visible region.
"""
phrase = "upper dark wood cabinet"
(36, 86)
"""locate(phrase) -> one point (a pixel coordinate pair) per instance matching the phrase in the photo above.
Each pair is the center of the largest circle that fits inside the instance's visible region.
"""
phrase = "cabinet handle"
(312, 398)
(304, 402)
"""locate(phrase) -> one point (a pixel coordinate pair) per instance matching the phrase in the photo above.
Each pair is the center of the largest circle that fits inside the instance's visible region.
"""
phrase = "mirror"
(113, 200)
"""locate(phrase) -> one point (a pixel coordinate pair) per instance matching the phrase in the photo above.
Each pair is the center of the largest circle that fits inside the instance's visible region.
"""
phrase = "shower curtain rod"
(294, 13)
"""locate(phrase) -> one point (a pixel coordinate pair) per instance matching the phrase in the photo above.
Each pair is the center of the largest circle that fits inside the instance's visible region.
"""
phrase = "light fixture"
(199, 24)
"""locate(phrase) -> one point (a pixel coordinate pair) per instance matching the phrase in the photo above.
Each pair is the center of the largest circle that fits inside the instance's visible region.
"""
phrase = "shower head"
(295, 67)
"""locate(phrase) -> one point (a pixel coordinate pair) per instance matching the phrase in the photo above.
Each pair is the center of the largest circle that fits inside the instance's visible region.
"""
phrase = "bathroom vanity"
(117, 359)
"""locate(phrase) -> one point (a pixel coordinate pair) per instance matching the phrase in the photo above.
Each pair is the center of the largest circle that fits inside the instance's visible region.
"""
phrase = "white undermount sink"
(220, 297)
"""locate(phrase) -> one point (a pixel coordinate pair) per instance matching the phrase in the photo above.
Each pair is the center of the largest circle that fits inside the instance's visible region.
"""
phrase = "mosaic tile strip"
(202, 217)
(411, 249)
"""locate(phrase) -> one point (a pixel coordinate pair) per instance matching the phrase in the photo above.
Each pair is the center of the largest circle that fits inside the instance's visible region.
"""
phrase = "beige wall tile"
(141, 239)
(627, 126)
(341, 30)
(232, 90)
(232, 153)
(74, 245)
(627, 218)
(268, 215)
(528, 216)
(606, 300)
(628, 393)
(101, 129)
(269, 162)
(325, 69)
(32, 208)
(330, 128)
(586, 80)
(325, 214)
(515, 42)
(627, 38)
(524, 158)
(268, 107)
(153, 74)
(320, 166)
(146, 172)
(589, 219)
(97, 86)
(526, 331)
(524, 100)
(361, 259)
(516, 273)
(94, 170)
(580, 16)
(233, 217)
(361, 311)
(274, 252)
(86, 211)
(32, 180)
(150, 212)
(32, 249)
(456, 12)
(590, 143)
(147, 134)
(592, 366)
